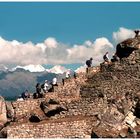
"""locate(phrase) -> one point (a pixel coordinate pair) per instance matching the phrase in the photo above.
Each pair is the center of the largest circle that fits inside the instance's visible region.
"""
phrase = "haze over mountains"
(39, 68)
(14, 81)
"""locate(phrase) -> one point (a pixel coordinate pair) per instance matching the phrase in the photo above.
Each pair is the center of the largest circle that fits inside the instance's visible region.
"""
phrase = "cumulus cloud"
(88, 43)
(51, 42)
(122, 34)
(19, 53)
(79, 53)
(14, 52)
(42, 46)
(52, 52)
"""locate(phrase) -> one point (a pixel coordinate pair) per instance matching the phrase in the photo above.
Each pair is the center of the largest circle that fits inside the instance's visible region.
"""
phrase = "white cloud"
(52, 52)
(14, 52)
(79, 53)
(42, 46)
(51, 42)
(88, 43)
(15, 43)
(122, 34)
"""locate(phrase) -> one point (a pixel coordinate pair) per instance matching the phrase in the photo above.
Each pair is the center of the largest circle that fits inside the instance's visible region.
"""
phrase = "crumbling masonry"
(103, 104)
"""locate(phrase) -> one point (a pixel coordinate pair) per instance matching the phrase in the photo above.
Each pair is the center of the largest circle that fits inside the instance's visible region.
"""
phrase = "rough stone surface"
(3, 115)
(24, 109)
(125, 48)
(10, 111)
(103, 104)
(67, 128)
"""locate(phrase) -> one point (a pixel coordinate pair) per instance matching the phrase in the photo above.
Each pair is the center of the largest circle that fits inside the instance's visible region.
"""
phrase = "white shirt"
(46, 86)
(20, 99)
(67, 74)
(107, 56)
(54, 81)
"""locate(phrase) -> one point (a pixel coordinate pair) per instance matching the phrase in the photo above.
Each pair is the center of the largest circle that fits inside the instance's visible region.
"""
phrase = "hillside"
(12, 84)
(16, 80)
(101, 104)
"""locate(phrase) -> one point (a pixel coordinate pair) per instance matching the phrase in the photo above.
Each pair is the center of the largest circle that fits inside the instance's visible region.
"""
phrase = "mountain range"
(16, 80)
(39, 68)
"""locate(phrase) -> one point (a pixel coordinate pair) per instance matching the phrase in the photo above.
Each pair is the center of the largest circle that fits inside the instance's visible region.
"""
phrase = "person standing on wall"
(89, 64)
(106, 57)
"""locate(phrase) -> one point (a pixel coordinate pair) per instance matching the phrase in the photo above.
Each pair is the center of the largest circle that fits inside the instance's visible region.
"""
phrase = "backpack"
(104, 57)
(88, 62)
(42, 86)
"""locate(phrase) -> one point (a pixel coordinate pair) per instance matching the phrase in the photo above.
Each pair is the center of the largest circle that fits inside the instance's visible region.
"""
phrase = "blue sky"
(68, 22)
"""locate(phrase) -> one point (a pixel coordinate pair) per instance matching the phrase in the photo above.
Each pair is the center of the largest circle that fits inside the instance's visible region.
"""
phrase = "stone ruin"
(105, 104)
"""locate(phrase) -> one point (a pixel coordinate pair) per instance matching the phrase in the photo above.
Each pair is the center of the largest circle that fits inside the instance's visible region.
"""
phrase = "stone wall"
(77, 127)
(105, 104)
(64, 94)
(24, 109)
(3, 118)
(85, 107)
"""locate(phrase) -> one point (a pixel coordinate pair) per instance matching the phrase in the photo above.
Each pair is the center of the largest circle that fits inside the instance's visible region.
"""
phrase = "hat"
(91, 58)
(46, 80)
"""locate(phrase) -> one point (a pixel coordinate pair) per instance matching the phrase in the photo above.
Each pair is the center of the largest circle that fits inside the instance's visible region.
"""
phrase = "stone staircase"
(69, 91)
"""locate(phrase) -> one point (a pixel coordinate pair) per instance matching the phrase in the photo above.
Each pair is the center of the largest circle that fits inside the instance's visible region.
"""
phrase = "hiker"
(25, 95)
(54, 81)
(46, 86)
(106, 57)
(20, 98)
(68, 74)
(35, 95)
(115, 58)
(63, 81)
(74, 75)
(42, 87)
(38, 90)
(89, 64)
(136, 33)
(51, 89)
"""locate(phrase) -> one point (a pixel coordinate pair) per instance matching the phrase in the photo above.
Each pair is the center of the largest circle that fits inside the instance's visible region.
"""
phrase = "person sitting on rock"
(114, 58)
(54, 81)
(89, 64)
(106, 57)
(38, 90)
(35, 95)
(46, 86)
(20, 98)
(68, 74)
(25, 95)
(51, 89)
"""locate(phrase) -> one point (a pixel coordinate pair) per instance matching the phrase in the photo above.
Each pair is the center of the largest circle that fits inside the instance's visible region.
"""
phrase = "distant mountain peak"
(35, 68)
(81, 69)
(58, 69)
(31, 68)
(3, 67)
